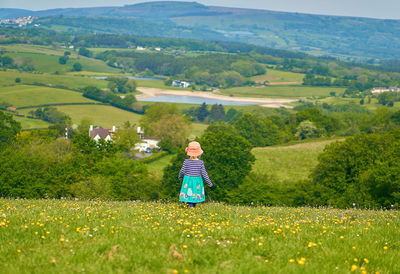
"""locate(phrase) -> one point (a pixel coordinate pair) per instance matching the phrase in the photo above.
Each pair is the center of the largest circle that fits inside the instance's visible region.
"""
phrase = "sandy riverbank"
(265, 102)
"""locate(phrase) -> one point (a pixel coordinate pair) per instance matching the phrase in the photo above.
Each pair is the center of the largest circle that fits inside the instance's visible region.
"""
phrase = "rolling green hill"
(71, 81)
(49, 63)
(161, 237)
(23, 95)
(315, 34)
(289, 163)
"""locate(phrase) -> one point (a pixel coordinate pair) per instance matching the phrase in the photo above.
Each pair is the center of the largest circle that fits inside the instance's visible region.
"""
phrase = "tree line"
(363, 170)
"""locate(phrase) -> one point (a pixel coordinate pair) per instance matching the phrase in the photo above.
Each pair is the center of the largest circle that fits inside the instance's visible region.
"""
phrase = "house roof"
(102, 132)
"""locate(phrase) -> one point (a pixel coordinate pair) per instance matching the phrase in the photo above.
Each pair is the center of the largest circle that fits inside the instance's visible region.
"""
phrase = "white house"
(146, 142)
(101, 133)
(181, 84)
(381, 90)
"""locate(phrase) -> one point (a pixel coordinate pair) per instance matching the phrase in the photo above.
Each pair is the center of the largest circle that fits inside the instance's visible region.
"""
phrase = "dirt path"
(265, 102)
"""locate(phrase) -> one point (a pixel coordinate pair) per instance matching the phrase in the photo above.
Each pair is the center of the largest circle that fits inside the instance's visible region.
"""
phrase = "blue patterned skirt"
(192, 190)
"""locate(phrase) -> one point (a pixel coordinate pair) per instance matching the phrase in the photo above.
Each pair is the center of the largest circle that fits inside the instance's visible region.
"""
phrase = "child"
(192, 191)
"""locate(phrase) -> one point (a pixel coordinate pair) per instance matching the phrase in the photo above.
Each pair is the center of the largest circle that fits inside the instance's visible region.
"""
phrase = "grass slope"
(49, 63)
(27, 123)
(68, 236)
(282, 91)
(288, 163)
(7, 78)
(105, 116)
(24, 95)
(278, 76)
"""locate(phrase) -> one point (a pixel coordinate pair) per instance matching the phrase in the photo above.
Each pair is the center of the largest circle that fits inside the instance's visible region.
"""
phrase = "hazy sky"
(389, 9)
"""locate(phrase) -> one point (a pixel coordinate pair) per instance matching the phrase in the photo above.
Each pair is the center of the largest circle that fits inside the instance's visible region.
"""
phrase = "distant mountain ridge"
(163, 9)
(313, 34)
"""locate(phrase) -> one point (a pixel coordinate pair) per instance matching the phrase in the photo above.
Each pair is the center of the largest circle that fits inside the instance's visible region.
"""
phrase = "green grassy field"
(36, 49)
(49, 63)
(282, 91)
(198, 129)
(373, 106)
(27, 123)
(8, 77)
(288, 163)
(68, 236)
(24, 95)
(105, 116)
(156, 168)
(278, 76)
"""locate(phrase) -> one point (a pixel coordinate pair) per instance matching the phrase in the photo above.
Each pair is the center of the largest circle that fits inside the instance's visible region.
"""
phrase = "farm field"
(49, 63)
(25, 95)
(278, 76)
(288, 163)
(282, 91)
(373, 106)
(27, 123)
(100, 115)
(7, 78)
(156, 168)
(36, 49)
(198, 129)
(68, 236)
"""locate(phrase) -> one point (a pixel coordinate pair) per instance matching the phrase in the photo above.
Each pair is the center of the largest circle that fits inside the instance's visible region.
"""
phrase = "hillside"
(315, 34)
(150, 237)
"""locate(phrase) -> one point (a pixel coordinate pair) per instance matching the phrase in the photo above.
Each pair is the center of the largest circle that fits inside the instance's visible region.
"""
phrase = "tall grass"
(288, 163)
(64, 236)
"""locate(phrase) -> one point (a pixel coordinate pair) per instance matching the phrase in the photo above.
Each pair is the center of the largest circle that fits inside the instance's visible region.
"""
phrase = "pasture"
(24, 95)
(7, 78)
(280, 77)
(49, 63)
(289, 163)
(100, 115)
(282, 91)
(27, 123)
(68, 236)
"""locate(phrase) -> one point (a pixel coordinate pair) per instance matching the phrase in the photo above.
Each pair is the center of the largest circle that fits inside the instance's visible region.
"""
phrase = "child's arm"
(205, 175)
(182, 172)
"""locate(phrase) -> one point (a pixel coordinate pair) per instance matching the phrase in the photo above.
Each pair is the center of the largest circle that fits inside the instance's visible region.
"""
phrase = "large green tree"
(363, 170)
(259, 132)
(9, 128)
(227, 157)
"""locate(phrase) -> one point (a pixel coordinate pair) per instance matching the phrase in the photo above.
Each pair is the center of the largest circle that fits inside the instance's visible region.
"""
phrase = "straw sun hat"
(194, 149)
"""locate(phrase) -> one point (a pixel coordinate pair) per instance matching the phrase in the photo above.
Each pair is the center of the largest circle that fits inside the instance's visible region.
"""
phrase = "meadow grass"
(7, 78)
(282, 91)
(68, 236)
(100, 115)
(277, 76)
(288, 163)
(49, 63)
(197, 129)
(156, 168)
(36, 49)
(373, 106)
(25, 95)
(27, 123)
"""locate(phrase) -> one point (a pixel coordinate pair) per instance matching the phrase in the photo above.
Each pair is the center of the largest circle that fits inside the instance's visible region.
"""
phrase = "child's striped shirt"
(195, 168)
